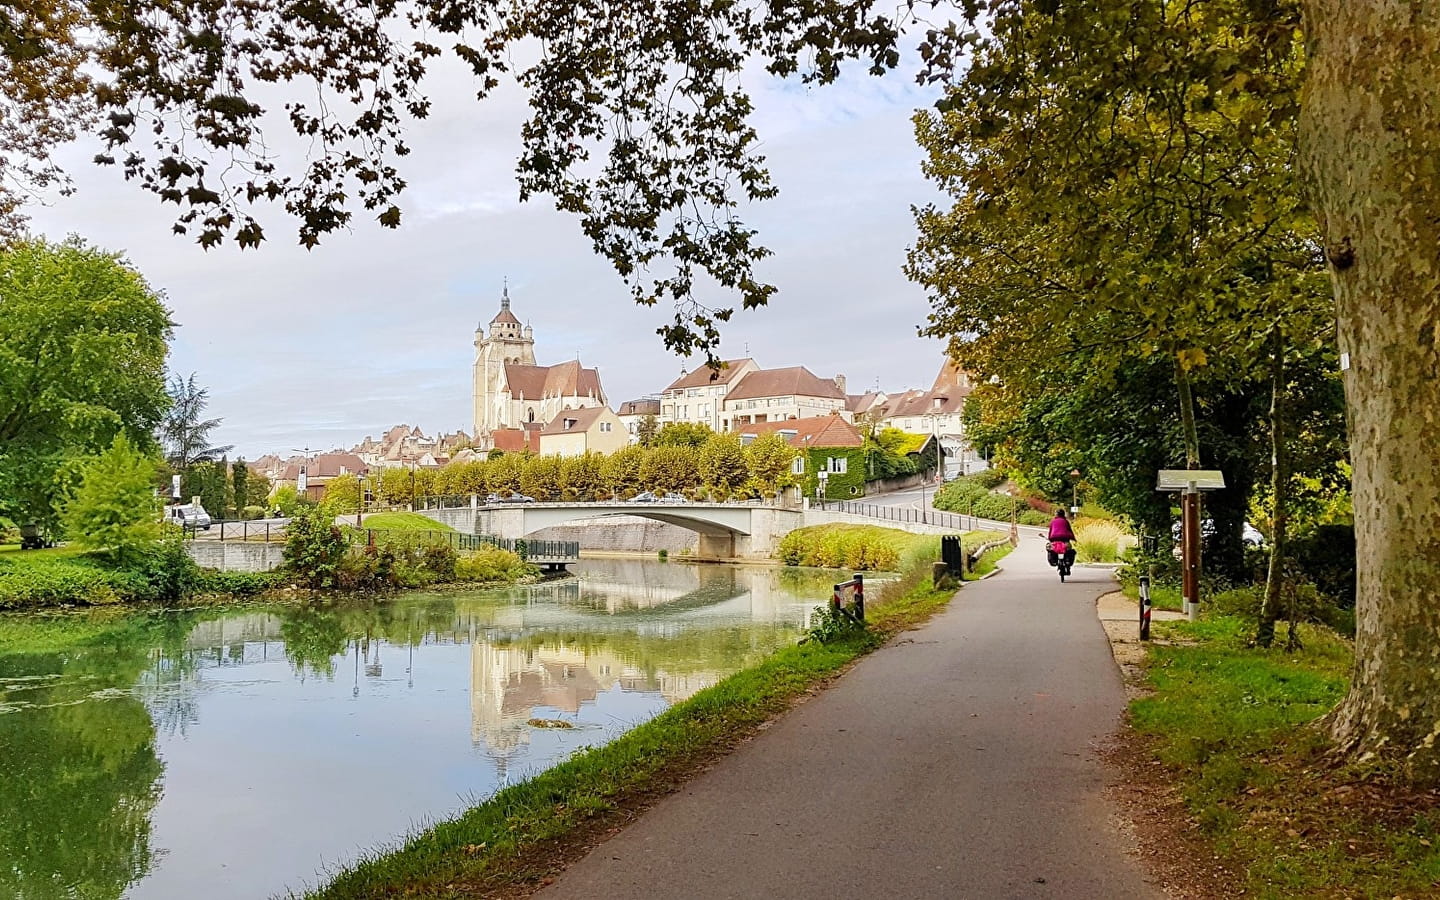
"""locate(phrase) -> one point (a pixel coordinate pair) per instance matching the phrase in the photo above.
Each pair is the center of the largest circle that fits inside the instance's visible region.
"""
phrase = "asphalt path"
(959, 761)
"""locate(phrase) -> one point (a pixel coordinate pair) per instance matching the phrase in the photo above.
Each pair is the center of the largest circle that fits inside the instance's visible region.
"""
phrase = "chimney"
(840, 383)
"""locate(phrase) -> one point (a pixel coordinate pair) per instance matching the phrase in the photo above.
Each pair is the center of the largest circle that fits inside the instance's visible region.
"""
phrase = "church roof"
(505, 316)
(567, 379)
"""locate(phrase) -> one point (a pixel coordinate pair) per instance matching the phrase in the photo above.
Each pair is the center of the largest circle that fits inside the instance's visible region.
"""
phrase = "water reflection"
(233, 753)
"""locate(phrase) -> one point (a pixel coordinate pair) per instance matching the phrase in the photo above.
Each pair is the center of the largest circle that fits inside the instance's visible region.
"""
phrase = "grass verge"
(1229, 723)
(532, 829)
(401, 521)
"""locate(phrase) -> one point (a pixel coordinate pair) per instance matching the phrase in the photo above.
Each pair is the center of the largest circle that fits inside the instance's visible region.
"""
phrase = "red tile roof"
(567, 379)
(640, 408)
(705, 376)
(787, 382)
(327, 465)
(516, 440)
(579, 419)
(816, 431)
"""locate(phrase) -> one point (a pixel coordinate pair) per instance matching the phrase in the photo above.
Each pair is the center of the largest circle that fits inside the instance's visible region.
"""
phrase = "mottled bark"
(1279, 491)
(1371, 141)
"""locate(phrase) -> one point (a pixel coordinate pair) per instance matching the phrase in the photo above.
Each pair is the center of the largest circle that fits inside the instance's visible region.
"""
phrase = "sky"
(315, 349)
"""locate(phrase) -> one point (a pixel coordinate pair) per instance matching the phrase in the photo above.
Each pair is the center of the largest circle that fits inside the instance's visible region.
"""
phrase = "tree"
(671, 468)
(116, 511)
(542, 478)
(723, 469)
(209, 481)
(239, 485)
(621, 471)
(184, 434)
(682, 434)
(583, 477)
(646, 430)
(769, 459)
(342, 494)
(82, 359)
(646, 96)
(1370, 126)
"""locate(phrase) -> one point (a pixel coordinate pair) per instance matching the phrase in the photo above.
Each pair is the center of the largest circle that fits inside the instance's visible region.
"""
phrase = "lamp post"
(1074, 492)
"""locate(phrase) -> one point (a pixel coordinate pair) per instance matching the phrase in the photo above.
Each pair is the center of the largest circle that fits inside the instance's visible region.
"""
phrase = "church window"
(531, 415)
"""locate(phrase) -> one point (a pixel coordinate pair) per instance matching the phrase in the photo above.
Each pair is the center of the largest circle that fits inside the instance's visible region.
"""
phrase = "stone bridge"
(725, 530)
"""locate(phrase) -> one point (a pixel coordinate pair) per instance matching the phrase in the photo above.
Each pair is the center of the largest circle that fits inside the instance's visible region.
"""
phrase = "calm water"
(240, 753)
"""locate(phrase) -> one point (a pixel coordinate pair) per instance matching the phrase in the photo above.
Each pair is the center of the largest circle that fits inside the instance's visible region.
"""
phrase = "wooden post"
(1190, 552)
(860, 596)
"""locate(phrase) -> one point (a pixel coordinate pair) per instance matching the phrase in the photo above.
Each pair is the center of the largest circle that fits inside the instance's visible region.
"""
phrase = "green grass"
(403, 521)
(512, 838)
(1230, 723)
(1161, 596)
(989, 561)
(865, 547)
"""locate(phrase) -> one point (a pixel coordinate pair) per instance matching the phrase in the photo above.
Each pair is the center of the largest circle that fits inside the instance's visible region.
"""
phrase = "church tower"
(507, 343)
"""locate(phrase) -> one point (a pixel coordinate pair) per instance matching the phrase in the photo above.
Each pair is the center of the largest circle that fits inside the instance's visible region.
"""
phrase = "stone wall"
(235, 556)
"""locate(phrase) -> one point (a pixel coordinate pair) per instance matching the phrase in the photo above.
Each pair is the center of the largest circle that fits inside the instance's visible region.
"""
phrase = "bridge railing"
(899, 514)
(457, 541)
(463, 501)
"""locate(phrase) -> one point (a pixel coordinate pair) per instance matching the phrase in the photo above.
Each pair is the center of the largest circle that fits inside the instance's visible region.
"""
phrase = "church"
(511, 391)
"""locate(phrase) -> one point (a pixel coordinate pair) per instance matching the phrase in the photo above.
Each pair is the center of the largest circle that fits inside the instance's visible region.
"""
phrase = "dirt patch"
(1163, 836)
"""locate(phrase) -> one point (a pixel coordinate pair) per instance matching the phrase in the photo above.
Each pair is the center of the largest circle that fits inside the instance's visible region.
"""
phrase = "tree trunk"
(1279, 490)
(1371, 141)
(1187, 417)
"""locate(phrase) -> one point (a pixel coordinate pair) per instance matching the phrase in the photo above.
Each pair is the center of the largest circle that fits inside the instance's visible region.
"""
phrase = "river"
(243, 752)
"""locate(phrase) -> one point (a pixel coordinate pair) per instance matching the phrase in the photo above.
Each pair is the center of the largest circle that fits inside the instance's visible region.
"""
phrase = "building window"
(836, 465)
(797, 466)
(604, 426)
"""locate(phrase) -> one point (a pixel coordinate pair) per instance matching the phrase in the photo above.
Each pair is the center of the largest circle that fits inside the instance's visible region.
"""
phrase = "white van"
(188, 515)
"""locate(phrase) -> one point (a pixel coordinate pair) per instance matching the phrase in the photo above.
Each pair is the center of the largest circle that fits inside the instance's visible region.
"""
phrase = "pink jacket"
(1060, 529)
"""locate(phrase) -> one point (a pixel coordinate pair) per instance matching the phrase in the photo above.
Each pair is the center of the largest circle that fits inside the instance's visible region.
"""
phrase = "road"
(957, 762)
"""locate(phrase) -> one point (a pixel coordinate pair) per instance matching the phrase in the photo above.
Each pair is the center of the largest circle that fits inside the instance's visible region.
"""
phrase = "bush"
(490, 564)
(238, 584)
(161, 574)
(1034, 517)
(115, 511)
(315, 547)
(858, 547)
(252, 512)
(1098, 541)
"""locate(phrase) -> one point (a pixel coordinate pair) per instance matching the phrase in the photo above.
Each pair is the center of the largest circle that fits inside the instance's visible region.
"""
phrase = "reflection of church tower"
(507, 343)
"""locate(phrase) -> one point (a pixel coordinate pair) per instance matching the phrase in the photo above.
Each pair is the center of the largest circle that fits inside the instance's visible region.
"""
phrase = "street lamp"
(1074, 492)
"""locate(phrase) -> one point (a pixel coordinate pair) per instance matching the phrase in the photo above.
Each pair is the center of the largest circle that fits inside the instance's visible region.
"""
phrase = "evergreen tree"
(116, 510)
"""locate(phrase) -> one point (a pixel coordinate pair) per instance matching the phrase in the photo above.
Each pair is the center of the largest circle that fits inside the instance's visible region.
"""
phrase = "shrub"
(1098, 541)
(857, 547)
(490, 564)
(238, 584)
(1034, 517)
(1328, 558)
(252, 512)
(315, 547)
(115, 510)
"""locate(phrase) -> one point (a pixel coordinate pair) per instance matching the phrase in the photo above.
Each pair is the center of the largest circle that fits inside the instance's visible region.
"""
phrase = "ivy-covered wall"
(847, 485)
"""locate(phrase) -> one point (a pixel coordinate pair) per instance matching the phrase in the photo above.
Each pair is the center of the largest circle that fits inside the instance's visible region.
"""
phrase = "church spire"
(505, 295)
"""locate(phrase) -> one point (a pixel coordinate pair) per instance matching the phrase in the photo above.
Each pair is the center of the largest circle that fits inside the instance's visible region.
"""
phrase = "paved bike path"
(957, 762)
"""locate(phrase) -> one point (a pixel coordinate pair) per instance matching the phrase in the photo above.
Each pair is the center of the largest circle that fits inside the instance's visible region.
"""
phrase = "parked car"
(673, 497)
(518, 498)
(494, 498)
(191, 516)
(644, 497)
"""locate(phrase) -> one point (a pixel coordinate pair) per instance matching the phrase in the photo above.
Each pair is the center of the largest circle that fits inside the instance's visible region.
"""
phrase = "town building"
(742, 393)
(319, 470)
(940, 412)
(633, 413)
(511, 390)
(579, 431)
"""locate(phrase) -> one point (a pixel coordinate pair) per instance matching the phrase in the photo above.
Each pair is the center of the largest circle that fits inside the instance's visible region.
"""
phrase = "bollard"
(1144, 607)
(860, 596)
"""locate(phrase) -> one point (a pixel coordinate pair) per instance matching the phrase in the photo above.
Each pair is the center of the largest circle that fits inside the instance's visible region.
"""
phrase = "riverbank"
(1223, 754)
(514, 841)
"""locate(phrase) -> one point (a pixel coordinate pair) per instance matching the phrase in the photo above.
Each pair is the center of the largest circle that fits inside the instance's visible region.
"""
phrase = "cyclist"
(1060, 530)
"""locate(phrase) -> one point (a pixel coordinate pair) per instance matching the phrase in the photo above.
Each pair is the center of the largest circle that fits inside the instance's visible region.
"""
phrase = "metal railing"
(463, 501)
(236, 530)
(543, 551)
